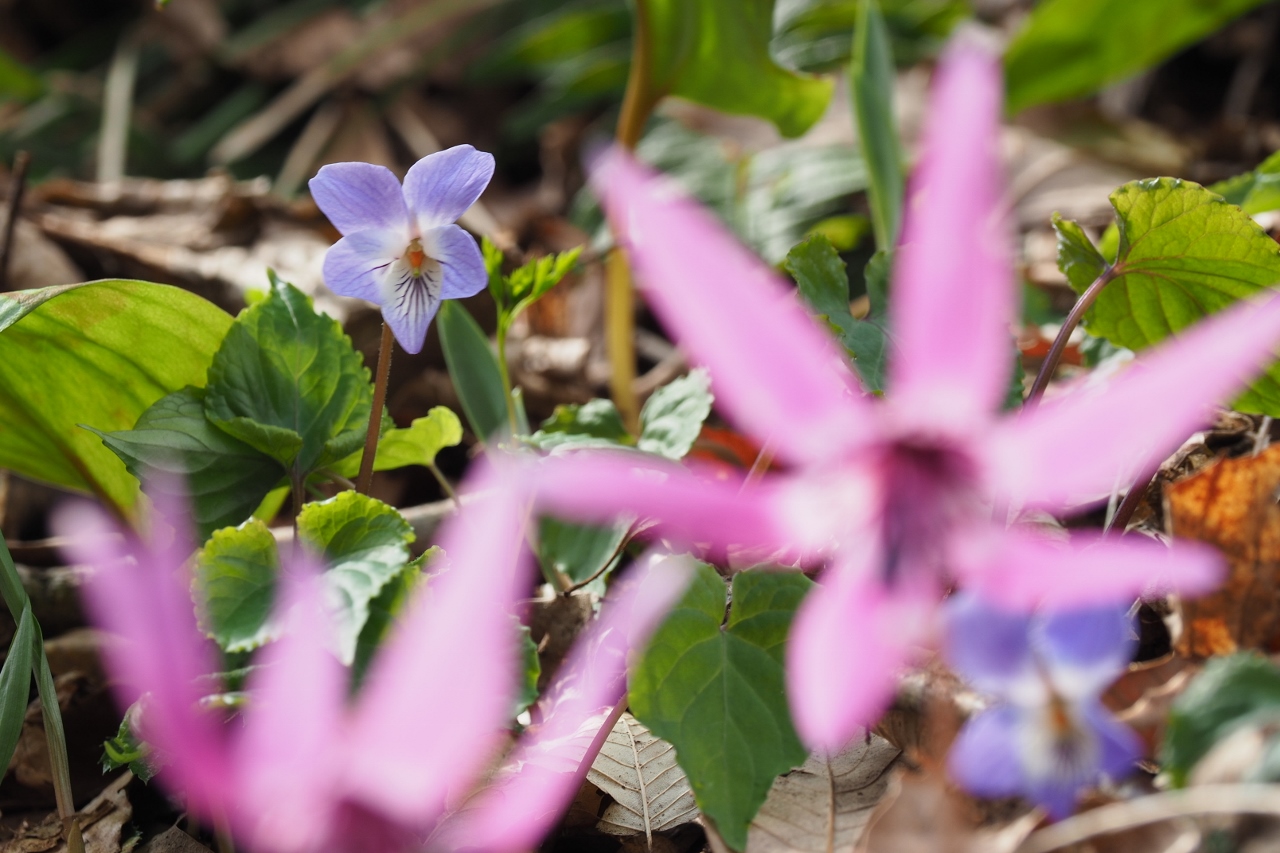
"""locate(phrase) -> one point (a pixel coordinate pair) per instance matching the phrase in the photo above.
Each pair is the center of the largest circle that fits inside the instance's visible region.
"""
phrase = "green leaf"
(1229, 692)
(1079, 260)
(1071, 48)
(592, 424)
(474, 370)
(871, 75)
(1255, 192)
(384, 609)
(365, 545)
(530, 671)
(235, 579)
(716, 692)
(126, 750)
(672, 417)
(15, 685)
(18, 81)
(817, 35)
(536, 277)
(1183, 253)
(579, 551)
(824, 284)
(224, 478)
(100, 354)
(287, 382)
(417, 445)
(716, 52)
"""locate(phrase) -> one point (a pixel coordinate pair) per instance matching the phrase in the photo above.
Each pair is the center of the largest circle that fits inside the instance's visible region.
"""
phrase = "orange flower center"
(415, 257)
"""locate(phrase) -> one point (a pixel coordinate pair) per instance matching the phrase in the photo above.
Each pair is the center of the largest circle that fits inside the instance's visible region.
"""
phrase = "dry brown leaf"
(650, 792)
(824, 806)
(1232, 505)
(101, 821)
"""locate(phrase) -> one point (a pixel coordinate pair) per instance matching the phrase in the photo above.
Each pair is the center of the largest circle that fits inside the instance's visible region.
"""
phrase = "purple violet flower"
(1050, 737)
(896, 496)
(400, 248)
(311, 769)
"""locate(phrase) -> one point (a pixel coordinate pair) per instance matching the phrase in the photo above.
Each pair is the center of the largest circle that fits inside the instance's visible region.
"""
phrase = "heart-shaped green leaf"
(365, 544)
(715, 691)
(225, 479)
(672, 416)
(235, 581)
(287, 382)
(97, 354)
(1183, 253)
(417, 445)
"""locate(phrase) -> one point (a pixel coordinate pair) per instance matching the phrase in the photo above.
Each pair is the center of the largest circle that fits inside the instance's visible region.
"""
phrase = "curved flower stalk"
(400, 248)
(1050, 737)
(897, 495)
(310, 770)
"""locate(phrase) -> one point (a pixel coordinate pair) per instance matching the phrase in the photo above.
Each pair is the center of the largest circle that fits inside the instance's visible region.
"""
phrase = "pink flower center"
(929, 489)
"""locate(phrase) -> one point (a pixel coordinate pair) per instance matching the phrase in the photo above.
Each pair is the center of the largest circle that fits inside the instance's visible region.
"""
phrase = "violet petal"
(456, 250)
(440, 187)
(356, 265)
(360, 196)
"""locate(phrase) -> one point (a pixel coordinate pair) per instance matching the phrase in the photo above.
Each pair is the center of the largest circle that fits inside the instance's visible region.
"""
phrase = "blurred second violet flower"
(1049, 738)
(400, 248)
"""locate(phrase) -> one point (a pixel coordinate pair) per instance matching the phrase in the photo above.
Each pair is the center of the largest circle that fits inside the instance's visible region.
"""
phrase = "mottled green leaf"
(672, 416)
(715, 691)
(224, 478)
(97, 354)
(595, 423)
(1071, 48)
(287, 382)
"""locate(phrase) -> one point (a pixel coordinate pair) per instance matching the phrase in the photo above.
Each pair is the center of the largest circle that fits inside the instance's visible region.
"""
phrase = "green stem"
(444, 484)
(637, 106)
(503, 325)
(365, 478)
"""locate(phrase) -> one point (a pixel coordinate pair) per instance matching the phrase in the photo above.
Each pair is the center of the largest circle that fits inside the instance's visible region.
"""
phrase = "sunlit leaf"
(417, 445)
(365, 545)
(1257, 191)
(1183, 253)
(235, 576)
(474, 370)
(97, 354)
(673, 415)
(716, 691)
(592, 424)
(1071, 48)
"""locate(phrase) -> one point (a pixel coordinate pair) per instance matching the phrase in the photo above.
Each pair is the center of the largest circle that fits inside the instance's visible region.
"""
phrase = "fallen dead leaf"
(1232, 505)
(101, 821)
(639, 771)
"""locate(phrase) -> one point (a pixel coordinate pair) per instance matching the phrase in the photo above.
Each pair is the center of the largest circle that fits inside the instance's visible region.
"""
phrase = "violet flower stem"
(1051, 360)
(1130, 504)
(375, 414)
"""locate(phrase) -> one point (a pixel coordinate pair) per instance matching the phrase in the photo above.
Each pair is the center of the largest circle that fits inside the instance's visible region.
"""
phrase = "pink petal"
(1081, 445)
(849, 640)
(440, 693)
(953, 299)
(140, 593)
(774, 372)
(546, 770)
(290, 754)
(1023, 570)
(598, 486)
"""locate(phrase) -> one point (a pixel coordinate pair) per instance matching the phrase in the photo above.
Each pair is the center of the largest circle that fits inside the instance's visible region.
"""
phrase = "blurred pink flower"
(310, 769)
(897, 495)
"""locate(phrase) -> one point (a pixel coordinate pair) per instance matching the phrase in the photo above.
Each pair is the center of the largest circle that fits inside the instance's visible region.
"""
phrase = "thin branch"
(1051, 360)
(365, 477)
(17, 187)
(1155, 808)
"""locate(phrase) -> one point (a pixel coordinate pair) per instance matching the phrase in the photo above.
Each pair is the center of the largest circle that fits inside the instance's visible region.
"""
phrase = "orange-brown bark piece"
(1233, 505)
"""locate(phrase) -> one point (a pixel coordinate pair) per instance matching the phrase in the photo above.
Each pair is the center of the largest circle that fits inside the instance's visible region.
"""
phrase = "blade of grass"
(871, 75)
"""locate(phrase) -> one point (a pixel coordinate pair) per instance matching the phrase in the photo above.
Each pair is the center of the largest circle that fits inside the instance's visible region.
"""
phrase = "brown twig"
(375, 414)
(1130, 504)
(17, 187)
